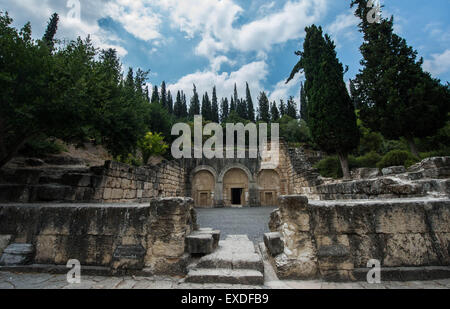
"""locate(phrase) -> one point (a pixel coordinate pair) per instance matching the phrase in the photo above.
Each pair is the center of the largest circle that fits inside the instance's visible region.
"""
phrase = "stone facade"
(112, 183)
(334, 240)
(118, 238)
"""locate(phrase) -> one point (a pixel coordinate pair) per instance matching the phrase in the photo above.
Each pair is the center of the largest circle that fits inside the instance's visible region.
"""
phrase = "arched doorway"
(269, 187)
(235, 188)
(203, 189)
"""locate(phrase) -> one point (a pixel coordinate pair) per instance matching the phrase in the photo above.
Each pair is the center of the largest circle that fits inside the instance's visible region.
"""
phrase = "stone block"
(4, 242)
(17, 254)
(393, 170)
(366, 173)
(274, 243)
(130, 257)
(200, 244)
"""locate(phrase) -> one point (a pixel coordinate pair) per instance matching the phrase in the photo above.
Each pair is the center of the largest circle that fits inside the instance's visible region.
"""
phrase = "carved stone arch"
(236, 166)
(203, 168)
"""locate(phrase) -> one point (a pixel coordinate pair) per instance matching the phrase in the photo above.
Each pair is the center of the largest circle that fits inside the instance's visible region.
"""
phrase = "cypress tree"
(169, 103)
(163, 98)
(184, 110)
(250, 106)
(303, 104)
(235, 97)
(283, 109)
(241, 109)
(206, 107)
(215, 107)
(274, 113)
(397, 98)
(264, 108)
(225, 110)
(50, 32)
(291, 110)
(232, 105)
(155, 95)
(178, 107)
(194, 108)
(332, 118)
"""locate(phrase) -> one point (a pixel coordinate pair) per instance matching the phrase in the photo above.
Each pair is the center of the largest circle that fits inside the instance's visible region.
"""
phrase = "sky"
(225, 42)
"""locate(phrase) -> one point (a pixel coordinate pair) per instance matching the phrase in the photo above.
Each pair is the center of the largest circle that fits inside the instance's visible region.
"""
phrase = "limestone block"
(200, 244)
(409, 250)
(45, 249)
(117, 194)
(17, 254)
(274, 243)
(409, 218)
(393, 170)
(366, 173)
(4, 242)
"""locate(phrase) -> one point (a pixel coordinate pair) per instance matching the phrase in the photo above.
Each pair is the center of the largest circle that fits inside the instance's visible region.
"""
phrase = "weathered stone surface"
(93, 233)
(344, 235)
(200, 244)
(366, 173)
(4, 242)
(17, 254)
(274, 243)
(393, 170)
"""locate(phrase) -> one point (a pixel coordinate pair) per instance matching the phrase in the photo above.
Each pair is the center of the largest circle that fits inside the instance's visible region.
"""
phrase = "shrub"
(369, 160)
(152, 145)
(330, 167)
(42, 146)
(397, 158)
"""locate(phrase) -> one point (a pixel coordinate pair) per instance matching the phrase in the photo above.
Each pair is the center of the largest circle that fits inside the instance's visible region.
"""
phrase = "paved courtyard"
(250, 221)
(48, 281)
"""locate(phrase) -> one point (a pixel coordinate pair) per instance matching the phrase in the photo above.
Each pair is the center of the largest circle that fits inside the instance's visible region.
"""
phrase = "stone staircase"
(236, 261)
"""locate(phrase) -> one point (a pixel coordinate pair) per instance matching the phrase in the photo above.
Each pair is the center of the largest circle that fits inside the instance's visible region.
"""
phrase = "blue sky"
(223, 42)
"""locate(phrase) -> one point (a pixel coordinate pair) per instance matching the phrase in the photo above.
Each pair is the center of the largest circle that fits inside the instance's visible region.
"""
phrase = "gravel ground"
(252, 222)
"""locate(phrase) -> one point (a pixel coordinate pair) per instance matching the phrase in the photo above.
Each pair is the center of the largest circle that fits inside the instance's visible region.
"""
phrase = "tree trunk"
(343, 158)
(413, 146)
(12, 151)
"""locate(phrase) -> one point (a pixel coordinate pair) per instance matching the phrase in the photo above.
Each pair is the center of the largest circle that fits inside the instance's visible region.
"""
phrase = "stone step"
(203, 241)
(227, 276)
(233, 255)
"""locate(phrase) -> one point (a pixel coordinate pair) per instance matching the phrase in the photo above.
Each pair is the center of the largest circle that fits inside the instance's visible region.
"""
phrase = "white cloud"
(344, 26)
(213, 21)
(438, 64)
(283, 91)
(136, 18)
(254, 73)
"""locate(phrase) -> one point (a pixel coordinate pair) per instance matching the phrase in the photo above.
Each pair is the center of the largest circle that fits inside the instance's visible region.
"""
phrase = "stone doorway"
(203, 189)
(237, 196)
(235, 188)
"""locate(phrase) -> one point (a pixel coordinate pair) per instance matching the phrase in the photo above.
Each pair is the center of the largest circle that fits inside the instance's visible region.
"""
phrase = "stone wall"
(119, 238)
(335, 240)
(111, 183)
(303, 177)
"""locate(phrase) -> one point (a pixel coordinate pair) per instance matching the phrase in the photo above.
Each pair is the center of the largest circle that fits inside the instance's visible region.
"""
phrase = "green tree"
(397, 97)
(241, 109)
(250, 106)
(169, 102)
(291, 109)
(283, 109)
(332, 118)
(264, 108)
(215, 107)
(50, 32)
(178, 107)
(194, 108)
(206, 108)
(152, 144)
(303, 104)
(224, 110)
(155, 95)
(274, 113)
(163, 97)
